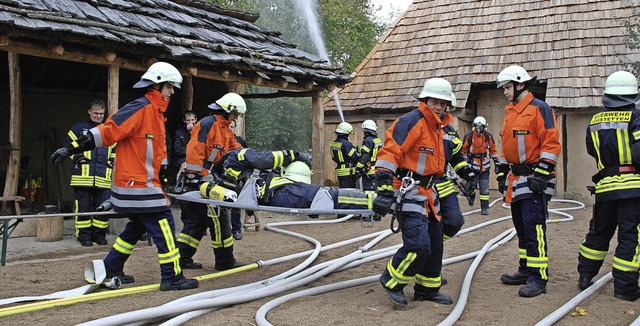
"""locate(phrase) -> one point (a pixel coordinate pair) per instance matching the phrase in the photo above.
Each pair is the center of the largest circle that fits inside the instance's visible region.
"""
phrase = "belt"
(479, 155)
(426, 181)
(522, 169)
(610, 171)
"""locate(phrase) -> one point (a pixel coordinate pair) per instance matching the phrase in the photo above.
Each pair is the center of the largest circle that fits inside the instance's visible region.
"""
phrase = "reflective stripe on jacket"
(138, 128)
(610, 135)
(344, 154)
(212, 140)
(368, 152)
(475, 146)
(97, 171)
(529, 134)
(452, 154)
(415, 142)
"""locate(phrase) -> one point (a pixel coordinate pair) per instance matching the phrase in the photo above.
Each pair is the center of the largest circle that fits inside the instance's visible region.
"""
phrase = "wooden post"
(113, 87)
(317, 138)
(235, 87)
(15, 124)
(560, 176)
(187, 93)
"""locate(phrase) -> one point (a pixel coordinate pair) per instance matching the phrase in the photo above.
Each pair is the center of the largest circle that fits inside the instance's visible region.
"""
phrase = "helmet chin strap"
(516, 92)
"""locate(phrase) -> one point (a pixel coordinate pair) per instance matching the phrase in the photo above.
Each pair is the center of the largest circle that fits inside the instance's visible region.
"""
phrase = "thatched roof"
(189, 31)
(573, 45)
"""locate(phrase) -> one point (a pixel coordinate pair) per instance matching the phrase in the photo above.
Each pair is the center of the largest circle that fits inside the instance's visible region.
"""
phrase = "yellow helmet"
(437, 88)
(621, 83)
(230, 102)
(298, 171)
(344, 128)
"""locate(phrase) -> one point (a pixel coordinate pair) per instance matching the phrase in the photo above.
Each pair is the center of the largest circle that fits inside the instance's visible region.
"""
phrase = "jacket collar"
(157, 99)
(432, 117)
(221, 120)
(520, 106)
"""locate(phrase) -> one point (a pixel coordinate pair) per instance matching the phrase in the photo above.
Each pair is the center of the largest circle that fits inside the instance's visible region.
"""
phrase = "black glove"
(470, 191)
(79, 159)
(164, 175)
(544, 169)
(59, 155)
(502, 187)
(382, 203)
(84, 143)
(496, 166)
(302, 157)
(537, 184)
(361, 170)
(466, 172)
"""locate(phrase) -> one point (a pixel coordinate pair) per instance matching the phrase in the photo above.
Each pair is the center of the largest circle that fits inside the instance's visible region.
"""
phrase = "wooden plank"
(112, 89)
(317, 139)
(187, 93)
(15, 123)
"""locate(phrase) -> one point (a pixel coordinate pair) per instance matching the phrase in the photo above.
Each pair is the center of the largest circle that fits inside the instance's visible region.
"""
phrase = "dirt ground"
(490, 302)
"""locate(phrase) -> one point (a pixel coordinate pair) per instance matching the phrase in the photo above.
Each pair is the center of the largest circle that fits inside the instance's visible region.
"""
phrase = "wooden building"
(61, 54)
(570, 45)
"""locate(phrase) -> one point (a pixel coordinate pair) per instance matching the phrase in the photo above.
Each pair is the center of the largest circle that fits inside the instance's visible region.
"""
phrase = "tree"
(632, 39)
(349, 33)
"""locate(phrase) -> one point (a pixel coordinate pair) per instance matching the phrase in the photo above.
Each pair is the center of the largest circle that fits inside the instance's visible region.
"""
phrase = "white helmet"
(370, 125)
(160, 72)
(480, 121)
(230, 102)
(298, 171)
(437, 88)
(512, 73)
(454, 102)
(621, 83)
(344, 128)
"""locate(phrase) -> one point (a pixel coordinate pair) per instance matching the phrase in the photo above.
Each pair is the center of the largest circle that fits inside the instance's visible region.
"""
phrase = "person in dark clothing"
(182, 137)
(345, 155)
(91, 179)
(368, 153)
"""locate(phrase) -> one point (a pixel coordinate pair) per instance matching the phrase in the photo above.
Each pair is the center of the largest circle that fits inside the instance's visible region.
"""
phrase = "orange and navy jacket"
(529, 134)
(475, 147)
(452, 154)
(97, 170)
(415, 142)
(138, 128)
(211, 140)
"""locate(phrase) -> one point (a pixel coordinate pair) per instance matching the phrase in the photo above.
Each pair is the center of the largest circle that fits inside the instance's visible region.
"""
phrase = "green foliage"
(632, 40)
(350, 32)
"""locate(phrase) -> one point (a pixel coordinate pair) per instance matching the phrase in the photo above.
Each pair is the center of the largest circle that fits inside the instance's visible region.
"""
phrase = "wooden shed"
(61, 54)
(571, 45)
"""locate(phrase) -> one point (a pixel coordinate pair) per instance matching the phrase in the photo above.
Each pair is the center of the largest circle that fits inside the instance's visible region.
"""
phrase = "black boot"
(397, 297)
(180, 284)
(236, 264)
(124, 279)
(435, 296)
(188, 263)
(514, 279)
(532, 289)
(628, 296)
(584, 282)
(484, 207)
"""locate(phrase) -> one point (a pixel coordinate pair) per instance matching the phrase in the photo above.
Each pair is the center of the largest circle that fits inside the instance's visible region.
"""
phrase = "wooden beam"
(317, 138)
(57, 49)
(15, 126)
(193, 71)
(213, 73)
(113, 86)
(110, 56)
(4, 40)
(187, 93)
(279, 94)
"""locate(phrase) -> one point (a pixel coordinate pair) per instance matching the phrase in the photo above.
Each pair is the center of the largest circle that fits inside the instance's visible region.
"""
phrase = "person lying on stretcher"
(285, 187)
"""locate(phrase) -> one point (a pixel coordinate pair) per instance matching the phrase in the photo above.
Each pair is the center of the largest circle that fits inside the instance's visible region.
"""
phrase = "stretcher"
(248, 199)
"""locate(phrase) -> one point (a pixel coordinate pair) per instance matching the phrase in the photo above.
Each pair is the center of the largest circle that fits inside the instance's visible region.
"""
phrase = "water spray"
(307, 9)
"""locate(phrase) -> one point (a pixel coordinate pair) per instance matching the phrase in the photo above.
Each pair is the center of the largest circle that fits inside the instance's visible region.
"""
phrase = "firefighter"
(613, 139)
(526, 175)
(345, 155)
(140, 171)
(91, 179)
(480, 148)
(413, 147)
(211, 139)
(182, 137)
(368, 153)
(452, 218)
(290, 187)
